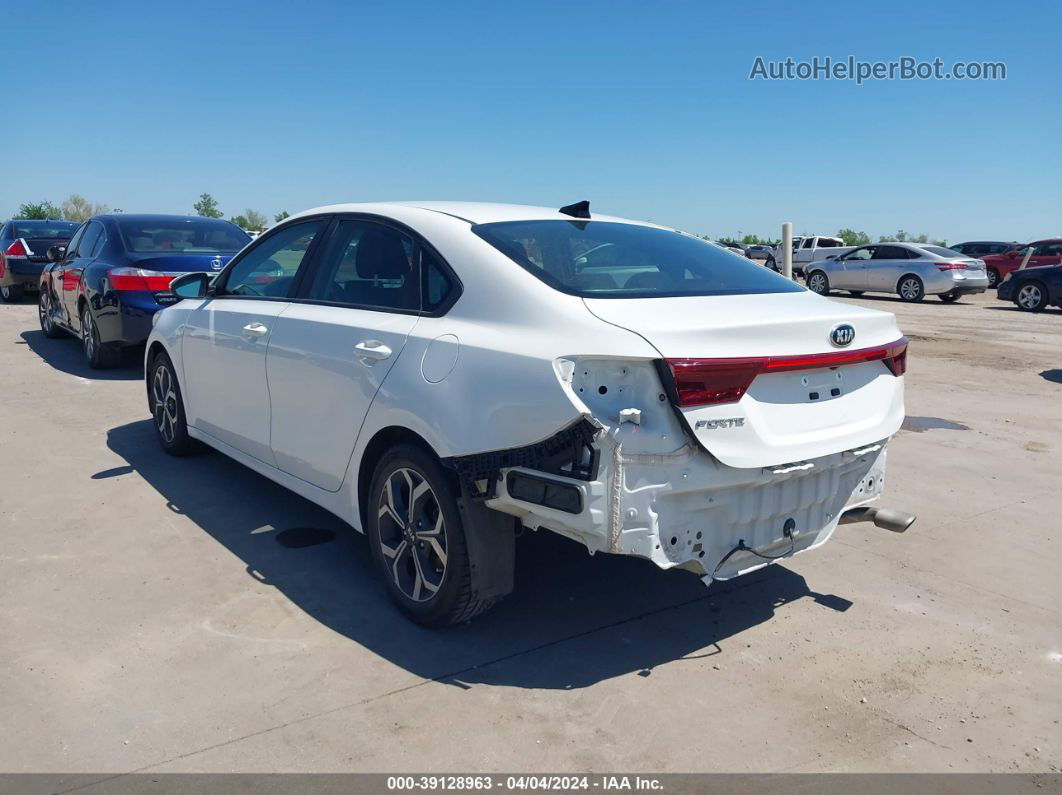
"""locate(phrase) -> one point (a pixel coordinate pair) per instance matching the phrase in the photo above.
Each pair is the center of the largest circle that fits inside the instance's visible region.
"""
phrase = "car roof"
(471, 212)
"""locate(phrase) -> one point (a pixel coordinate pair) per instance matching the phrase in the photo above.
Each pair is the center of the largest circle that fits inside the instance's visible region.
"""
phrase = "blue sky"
(644, 108)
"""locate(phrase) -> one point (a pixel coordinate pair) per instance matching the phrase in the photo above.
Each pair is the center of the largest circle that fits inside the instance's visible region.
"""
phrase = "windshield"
(600, 259)
(192, 236)
(44, 230)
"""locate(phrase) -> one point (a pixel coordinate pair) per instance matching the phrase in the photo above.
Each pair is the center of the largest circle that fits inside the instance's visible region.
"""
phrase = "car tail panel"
(768, 380)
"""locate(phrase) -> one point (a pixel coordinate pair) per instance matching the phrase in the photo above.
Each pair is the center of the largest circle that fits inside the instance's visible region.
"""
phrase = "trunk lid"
(180, 263)
(39, 246)
(790, 412)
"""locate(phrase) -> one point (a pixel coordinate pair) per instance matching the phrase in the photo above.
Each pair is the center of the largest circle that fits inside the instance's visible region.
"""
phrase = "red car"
(1045, 252)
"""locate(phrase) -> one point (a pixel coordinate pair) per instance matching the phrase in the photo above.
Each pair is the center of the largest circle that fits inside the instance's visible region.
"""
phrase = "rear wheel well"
(384, 440)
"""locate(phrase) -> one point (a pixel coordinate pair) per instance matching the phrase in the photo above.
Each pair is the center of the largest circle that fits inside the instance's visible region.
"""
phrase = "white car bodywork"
(516, 366)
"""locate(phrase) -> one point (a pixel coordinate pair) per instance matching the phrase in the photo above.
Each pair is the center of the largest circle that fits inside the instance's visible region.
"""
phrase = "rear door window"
(367, 265)
(890, 252)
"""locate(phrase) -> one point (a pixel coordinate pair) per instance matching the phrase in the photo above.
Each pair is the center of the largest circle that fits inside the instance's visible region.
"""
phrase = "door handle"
(254, 331)
(372, 351)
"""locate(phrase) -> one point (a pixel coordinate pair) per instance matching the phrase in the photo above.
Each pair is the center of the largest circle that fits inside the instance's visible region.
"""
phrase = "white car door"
(225, 340)
(331, 351)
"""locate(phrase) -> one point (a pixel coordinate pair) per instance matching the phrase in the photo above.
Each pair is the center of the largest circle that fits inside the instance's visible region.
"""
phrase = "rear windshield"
(941, 251)
(194, 236)
(601, 259)
(44, 230)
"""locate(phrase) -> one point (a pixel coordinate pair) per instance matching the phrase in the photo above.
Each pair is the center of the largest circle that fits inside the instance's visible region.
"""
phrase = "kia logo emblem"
(842, 335)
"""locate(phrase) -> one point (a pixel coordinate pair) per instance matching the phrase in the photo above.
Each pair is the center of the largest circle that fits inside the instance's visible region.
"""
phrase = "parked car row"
(914, 270)
(105, 284)
(440, 375)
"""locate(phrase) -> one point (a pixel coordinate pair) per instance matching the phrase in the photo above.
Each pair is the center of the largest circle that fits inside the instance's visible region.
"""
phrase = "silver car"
(910, 270)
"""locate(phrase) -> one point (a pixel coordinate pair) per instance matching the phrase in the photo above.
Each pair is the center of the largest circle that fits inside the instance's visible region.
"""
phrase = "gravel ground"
(161, 615)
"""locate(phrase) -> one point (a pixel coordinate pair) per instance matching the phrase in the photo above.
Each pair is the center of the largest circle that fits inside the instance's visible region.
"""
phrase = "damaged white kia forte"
(440, 375)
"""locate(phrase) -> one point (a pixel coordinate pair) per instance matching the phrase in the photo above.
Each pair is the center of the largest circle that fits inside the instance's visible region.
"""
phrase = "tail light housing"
(708, 382)
(138, 280)
(951, 266)
(17, 250)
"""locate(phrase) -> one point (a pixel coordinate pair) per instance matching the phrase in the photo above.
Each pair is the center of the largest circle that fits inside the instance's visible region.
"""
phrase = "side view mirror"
(191, 285)
(55, 253)
(1013, 253)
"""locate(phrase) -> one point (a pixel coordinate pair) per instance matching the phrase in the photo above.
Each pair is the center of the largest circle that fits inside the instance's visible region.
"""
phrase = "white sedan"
(440, 375)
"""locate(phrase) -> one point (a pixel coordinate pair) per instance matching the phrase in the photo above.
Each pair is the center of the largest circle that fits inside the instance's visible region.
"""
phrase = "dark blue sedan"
(107, 284)
(24, 245)
(1033, 289)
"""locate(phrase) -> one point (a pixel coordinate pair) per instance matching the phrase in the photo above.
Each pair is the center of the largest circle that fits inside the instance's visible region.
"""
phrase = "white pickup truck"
(808, 249)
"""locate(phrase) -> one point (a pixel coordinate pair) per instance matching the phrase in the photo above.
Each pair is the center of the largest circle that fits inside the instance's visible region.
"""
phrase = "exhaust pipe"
(885, 518)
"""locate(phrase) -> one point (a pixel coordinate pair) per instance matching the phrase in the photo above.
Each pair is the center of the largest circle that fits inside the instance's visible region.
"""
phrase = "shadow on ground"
(65, 354)
(573, 620)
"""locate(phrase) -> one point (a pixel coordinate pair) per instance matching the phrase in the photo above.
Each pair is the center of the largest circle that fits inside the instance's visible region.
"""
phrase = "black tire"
(855, 293)
(949, 298)
(1032, 296)
(910, 289)
(167, 408)
(993, 278)
(411, 543)
(772, 264)
(98, 355)
(12, 294)
(819, 283)
(44, 315)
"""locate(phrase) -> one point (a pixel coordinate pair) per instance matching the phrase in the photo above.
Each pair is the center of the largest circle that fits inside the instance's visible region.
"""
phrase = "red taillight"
(704, 382)
(138, 280)
(16, 249)
(951, 266)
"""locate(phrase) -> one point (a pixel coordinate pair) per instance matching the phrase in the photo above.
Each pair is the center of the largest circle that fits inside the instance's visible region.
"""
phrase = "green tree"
(207, 207)
(899, 237)
(853, 238)
(78, 208)
(241, 222)
(255, 219)
(41, 211)
(281, 216)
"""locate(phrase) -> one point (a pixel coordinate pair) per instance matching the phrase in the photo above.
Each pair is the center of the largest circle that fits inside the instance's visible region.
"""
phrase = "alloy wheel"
(88, 336)
(1030, 296)
(412, 534)
(817, 283)
(909, 289)
(164, 399)
(44, 309)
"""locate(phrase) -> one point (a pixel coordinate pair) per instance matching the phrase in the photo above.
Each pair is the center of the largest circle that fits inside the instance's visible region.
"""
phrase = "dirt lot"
(161, 615)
